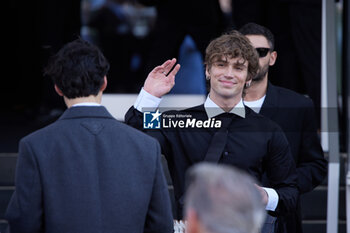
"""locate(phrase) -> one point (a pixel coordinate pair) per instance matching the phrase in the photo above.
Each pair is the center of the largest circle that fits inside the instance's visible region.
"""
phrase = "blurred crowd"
(137, 35)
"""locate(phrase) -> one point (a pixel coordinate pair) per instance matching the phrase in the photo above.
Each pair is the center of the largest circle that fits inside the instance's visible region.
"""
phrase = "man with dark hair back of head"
(222, 199)
(86, 172)
(294, 113)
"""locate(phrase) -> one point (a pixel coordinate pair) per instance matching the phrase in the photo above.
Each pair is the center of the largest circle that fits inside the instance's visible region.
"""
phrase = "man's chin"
(259, 78)
(261, 75)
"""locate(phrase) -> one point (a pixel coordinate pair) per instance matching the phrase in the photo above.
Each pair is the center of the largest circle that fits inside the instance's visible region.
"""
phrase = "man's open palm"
(159, 82)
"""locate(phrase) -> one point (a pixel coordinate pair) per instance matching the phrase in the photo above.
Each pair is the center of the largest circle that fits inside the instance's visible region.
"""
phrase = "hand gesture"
(159, 82)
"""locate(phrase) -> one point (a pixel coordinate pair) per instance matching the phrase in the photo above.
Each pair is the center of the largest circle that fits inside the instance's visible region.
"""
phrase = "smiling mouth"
(227, 82)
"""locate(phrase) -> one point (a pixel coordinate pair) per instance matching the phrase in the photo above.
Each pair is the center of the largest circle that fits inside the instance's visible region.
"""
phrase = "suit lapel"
(271, 102)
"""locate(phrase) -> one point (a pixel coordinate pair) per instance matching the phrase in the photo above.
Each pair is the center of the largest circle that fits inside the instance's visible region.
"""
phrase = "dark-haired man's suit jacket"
(89, 173)
(295, 114)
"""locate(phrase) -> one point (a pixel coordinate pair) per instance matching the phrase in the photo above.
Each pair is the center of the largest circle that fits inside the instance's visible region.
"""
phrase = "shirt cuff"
(146, 100)
(273, 199)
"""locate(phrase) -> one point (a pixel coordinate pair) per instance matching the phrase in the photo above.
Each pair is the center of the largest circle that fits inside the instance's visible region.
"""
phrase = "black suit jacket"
(255, 144)
(295, 114)
(87, 172)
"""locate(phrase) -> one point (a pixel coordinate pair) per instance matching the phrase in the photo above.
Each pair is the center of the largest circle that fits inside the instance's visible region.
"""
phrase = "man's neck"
(87, 99)
(257, 90)
(226, 104)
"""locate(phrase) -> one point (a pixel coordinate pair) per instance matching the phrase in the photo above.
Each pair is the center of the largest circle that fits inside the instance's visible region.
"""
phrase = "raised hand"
(159, 82)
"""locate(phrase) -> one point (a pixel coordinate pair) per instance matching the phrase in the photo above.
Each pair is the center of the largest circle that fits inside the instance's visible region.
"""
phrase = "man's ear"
(58, 91)
(248, 83)
(104, 85)
(207, 74)
(273, 58)
(193, 224)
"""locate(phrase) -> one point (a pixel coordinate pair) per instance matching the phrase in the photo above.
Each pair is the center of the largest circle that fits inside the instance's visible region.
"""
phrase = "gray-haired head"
(225, 199)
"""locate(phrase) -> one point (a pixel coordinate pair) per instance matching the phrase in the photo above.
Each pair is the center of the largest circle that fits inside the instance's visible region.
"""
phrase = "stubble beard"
(261, 74)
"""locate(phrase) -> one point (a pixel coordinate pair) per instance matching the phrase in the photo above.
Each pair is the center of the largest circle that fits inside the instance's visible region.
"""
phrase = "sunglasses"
(262, 51)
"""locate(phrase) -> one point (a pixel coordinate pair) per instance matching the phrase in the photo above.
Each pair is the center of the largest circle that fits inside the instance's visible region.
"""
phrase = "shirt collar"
(212, 109)
(86, 104)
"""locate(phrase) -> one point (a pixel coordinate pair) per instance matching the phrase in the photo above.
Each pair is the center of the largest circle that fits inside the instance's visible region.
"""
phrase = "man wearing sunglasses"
(293, 112)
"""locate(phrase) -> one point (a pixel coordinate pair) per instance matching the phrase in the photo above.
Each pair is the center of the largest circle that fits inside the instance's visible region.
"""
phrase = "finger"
(166, 64)
(175, 70)
(161, 67)
(158, 69)
(169, 66)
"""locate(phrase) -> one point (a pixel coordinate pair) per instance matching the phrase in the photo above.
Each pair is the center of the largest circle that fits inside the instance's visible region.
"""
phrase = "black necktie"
(218, 141)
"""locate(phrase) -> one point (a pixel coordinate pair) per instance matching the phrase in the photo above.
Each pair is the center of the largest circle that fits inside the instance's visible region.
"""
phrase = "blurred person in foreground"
(222, 199)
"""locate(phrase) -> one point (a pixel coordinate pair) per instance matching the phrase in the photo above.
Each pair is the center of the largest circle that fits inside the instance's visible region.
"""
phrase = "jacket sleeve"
(159, 217)
(281, 173)
(134, 118)
(311, 164)
(25, 211)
